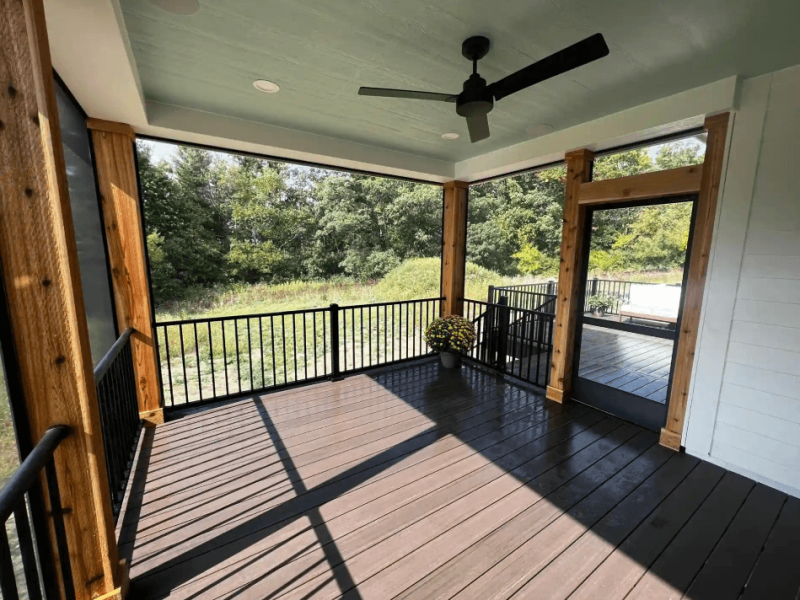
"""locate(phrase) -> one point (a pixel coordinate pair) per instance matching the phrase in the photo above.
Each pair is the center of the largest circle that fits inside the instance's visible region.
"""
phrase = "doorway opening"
(628, 327)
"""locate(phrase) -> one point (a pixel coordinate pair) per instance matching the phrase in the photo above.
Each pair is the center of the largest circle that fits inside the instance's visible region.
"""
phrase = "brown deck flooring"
(627, 361)
(419, 482)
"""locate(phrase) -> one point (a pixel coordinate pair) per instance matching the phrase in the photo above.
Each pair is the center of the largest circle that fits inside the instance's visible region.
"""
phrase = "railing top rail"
(29, 470)
(108, 359)
(284, 313)
(511, 308)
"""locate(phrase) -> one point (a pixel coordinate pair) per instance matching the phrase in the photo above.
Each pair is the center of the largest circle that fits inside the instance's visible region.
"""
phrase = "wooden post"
(454, 247)
(717, 128)
(579, 170)
(119, 195)
(45, 301)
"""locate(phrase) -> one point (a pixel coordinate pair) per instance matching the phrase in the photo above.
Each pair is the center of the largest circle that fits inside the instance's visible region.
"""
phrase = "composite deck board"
(418, 482)
(626, 361)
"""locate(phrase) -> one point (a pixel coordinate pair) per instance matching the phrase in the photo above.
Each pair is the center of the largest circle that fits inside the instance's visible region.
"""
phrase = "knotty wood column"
(454, 247)
(119, 195)
(717, 128)
(45, 301)
(579, 170)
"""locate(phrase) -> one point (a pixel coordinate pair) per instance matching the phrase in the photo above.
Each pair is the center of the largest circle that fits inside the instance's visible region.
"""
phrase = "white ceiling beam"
(187, 125)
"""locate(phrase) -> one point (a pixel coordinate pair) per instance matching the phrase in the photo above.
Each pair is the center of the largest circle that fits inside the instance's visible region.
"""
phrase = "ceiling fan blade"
(584, 52)
(478, 128)
(410, 94)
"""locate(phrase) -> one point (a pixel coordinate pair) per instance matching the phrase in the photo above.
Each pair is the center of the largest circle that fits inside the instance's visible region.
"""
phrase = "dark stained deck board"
(728, 568)
(626, 361)
(777, 574)
(416, 482)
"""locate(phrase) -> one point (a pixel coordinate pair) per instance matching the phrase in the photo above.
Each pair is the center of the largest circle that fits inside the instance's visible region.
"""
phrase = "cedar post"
(454, 247)
(45, 300)
(579, 170)
(119, 195)
(717, 128)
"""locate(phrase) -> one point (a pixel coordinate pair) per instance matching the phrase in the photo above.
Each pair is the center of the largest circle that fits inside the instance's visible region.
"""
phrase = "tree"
(268, 224)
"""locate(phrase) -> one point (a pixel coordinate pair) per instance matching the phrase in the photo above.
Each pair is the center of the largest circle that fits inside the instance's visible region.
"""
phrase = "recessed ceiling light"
(450, 136)
(177, 7)
(539, 129)
(262, 85)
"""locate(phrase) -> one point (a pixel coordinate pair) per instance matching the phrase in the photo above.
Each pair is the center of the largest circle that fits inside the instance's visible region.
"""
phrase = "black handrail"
(220, 358)
(12, 502)
(102, 367)
(115, 381)
(525, 336)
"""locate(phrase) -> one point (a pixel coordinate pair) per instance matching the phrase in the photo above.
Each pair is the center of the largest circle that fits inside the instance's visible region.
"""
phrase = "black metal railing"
(26, 569)
(523, 295)
(524, 299)
(119, 414)
(223, 357)
(517, 342)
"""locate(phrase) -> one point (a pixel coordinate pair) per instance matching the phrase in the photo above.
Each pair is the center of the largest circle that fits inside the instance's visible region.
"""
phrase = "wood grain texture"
(111, 127)
(42, 281)
(579, 169)
(661, 184)
(119, 196)
(717, 128)
(454, 247)
(489, 490)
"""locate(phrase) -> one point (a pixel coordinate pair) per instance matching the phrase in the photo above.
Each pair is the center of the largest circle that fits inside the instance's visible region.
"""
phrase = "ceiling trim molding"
(183, 124)
(91, 52)
(665, 116)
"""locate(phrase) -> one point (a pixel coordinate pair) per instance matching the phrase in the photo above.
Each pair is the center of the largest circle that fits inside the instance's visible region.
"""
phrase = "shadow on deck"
(418, 482)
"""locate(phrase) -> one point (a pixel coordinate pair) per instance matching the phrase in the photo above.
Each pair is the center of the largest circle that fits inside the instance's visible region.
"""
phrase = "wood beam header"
(645, 186)
(111, 127)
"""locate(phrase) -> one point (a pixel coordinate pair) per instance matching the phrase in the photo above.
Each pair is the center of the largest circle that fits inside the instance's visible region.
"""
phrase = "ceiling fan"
(477, 98)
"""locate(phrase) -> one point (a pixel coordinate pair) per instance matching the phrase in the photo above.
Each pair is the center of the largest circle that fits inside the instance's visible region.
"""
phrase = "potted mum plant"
(599, 304)
(450, 336)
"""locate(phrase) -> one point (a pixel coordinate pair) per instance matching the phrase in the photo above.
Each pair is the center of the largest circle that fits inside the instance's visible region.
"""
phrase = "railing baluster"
(250, 354)
(314, 327)
(225, 356)
(238, 362)
(197, 358)
(211, 360)
(169, 366)
(261, 345)
(272, 336)
(294, 346)
(27, 551)
(369, 333)
(283, 338)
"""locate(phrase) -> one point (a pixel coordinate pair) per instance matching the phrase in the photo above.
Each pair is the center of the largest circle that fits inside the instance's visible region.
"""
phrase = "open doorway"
(628, 329)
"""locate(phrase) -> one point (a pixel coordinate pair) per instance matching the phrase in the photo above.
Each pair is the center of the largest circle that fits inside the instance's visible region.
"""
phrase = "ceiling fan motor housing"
(475, 100)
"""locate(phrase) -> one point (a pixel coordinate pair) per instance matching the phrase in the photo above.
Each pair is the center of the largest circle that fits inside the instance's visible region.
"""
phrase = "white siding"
(752, 424)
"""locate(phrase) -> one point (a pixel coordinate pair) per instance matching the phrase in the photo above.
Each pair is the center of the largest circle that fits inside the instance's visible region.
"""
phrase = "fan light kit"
(262, 85)
(451, 136)
(477, 98)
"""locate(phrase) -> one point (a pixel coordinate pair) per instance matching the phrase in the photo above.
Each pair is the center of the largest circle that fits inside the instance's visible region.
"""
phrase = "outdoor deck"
(627, 361)
(426, 483)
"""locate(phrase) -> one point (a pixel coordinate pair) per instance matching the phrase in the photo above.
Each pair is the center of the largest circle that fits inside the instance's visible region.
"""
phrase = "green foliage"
(601, 301)
(450, 334)
(214, 222)
(421, 278)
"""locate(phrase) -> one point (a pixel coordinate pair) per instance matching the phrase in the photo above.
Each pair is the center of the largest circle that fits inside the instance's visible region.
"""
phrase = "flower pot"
(599, 313)
(450, 360)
